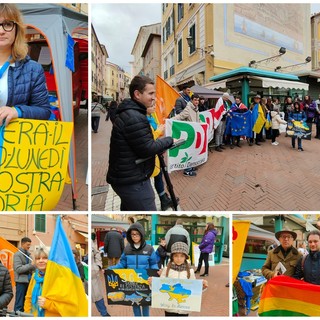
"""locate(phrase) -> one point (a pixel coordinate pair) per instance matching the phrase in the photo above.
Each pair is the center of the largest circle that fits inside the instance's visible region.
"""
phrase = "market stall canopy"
(267, 78)
(207, 93)
(100, 221)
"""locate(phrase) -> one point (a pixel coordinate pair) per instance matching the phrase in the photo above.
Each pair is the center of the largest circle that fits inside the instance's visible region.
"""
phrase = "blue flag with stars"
(239, 124)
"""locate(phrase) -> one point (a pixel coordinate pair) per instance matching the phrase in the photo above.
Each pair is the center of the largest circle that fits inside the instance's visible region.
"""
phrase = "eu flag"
(239, 124)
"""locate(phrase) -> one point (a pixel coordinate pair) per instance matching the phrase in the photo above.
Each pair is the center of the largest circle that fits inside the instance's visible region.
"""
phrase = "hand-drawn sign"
(176, 294)
(129, 286)
(33, 164)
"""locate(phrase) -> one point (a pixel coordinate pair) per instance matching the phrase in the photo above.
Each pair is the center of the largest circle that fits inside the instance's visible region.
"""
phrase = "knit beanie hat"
(180, 247)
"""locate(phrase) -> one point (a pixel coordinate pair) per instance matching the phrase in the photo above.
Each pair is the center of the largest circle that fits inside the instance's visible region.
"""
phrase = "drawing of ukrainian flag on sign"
(33, 164)
(194, 151)
(62, 283)
(180, 294)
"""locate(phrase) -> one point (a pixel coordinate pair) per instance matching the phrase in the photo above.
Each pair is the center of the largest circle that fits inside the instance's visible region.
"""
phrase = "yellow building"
(204, 40)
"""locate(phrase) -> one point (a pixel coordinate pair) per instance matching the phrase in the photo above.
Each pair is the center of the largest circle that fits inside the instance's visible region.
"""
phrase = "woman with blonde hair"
(35, 303)
(23, 85)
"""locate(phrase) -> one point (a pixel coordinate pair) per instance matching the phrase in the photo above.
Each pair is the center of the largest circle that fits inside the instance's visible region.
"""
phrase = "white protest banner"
(194, 151)
(207, 117)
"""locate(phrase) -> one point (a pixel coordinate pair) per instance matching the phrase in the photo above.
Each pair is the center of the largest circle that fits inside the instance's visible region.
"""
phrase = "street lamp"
(307, 60)
(190, 42)
(282, 51)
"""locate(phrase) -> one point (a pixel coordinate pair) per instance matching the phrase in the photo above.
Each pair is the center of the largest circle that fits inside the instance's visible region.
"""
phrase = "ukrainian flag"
(62, 284)
(258, 118)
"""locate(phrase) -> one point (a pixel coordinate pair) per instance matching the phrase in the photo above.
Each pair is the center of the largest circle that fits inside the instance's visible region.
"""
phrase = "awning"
(279, 83)
(83, 234)
(217, 84)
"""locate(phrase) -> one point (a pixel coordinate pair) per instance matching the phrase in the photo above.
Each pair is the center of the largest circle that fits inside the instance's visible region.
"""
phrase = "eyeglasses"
(7, 25)
(135, 234)
(286, 237)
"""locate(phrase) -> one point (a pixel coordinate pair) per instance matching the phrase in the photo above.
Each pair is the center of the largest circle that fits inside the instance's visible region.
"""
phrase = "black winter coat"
(308, 268)
(113, 244)
(6, 293)
(132, 139)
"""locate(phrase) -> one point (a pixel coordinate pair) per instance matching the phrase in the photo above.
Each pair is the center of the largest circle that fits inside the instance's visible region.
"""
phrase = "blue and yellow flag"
(258, 118)
(62, 284)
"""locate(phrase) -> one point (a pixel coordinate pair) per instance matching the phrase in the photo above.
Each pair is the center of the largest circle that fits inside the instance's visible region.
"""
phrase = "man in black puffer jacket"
(6, 293)
(132, 139)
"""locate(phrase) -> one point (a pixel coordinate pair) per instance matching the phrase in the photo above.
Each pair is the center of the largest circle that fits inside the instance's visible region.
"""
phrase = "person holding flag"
(56, 288)
(258, 119)
(35, 303)
(237, 107)
(190, 113)
(183, 100)
(220, 111)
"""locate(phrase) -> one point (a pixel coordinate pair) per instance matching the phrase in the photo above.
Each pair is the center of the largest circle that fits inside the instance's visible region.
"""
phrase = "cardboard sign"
(129, 286)
(178, 294)
(34, 156)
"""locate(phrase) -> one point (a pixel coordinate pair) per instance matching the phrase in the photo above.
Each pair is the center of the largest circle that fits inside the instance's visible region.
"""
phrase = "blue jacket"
(207, 242)
(27, 90)
(143, 257)
(297, 116)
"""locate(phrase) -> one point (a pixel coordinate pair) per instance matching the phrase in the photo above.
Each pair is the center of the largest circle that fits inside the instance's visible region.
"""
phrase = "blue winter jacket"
(27, 90)
(207, 242)
(297, 116)
(143, 257)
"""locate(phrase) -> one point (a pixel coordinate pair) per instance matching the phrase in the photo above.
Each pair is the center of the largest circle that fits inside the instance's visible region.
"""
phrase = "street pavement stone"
(81, 144)
(215, 300)
(256, 178)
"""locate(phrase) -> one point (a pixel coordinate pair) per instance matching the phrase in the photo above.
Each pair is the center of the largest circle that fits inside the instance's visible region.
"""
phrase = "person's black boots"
(198, 269)
(166, 202)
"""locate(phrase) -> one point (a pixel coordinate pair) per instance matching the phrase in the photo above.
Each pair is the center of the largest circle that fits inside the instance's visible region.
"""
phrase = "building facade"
(204, 40)
(140, 44)
(40, 229)
(99, 55)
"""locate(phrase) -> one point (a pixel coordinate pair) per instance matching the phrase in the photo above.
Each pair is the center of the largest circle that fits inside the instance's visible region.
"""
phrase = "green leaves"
(186, 158)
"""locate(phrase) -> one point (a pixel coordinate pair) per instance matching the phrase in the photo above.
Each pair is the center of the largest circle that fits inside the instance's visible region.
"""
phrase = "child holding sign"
(179, 268)
(137, 255)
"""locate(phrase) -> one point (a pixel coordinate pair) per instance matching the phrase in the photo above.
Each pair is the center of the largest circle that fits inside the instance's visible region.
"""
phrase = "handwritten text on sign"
(33, 163)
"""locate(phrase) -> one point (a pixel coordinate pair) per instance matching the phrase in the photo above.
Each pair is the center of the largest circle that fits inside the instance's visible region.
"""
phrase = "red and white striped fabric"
(218, 112)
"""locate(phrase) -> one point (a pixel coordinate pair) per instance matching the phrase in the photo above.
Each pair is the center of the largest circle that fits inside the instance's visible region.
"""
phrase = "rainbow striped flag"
(286, 296)
(62, 283)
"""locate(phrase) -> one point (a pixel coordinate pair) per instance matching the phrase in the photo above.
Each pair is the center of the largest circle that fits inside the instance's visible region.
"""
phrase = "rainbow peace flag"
(286, 296)
(62, 284)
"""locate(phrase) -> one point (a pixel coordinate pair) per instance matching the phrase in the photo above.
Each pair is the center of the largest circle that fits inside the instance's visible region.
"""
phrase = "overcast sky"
(117, 26)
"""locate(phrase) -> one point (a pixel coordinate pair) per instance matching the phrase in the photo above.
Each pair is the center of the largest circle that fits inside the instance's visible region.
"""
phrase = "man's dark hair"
(195, 96)
(139, 83)
(185, 86)
(313, 232)
(25, 239)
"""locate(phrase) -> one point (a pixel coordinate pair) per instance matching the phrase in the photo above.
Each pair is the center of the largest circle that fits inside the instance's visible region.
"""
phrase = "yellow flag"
(240, 231)
(166, 98)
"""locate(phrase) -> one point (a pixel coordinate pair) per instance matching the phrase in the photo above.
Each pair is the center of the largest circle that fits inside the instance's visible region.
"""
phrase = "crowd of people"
(137, 140)
(29, 276)
(170, 259)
